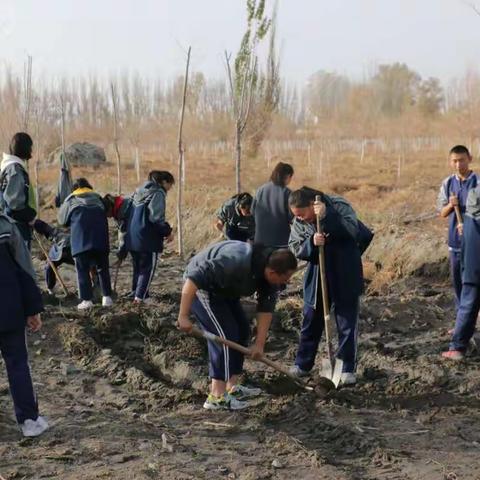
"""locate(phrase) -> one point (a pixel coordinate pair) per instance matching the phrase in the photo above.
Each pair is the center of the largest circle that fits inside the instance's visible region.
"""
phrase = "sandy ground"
(123, 391)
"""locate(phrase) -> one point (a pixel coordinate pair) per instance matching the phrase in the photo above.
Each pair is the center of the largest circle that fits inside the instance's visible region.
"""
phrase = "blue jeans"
(466, 317)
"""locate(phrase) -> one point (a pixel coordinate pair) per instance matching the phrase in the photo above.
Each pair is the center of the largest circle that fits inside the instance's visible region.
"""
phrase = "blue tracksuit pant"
(14, 352)
(144, 265)
(346, 317)
(224, 318)
(84, 262)
(466, 317)
(456, 275)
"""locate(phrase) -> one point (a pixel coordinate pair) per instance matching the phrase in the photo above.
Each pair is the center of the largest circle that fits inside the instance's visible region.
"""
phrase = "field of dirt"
(123, 390)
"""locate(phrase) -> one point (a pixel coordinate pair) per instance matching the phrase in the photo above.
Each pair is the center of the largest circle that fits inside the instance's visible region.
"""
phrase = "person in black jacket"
(84, 212)
(17, 196)
(21, 303)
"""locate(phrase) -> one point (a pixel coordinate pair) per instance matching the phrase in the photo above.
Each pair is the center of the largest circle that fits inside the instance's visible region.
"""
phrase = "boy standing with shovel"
(451, 204)
(343, 271)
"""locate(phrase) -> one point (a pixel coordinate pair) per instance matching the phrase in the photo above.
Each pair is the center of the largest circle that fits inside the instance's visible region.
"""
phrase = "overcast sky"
(435, 37)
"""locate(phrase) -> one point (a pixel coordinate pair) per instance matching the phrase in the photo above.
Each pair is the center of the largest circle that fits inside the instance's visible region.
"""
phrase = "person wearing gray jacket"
(215, 280)
(270, 208)
(17, 198)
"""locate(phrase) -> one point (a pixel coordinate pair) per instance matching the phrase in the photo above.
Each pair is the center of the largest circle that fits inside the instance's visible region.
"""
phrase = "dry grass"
(391, 204)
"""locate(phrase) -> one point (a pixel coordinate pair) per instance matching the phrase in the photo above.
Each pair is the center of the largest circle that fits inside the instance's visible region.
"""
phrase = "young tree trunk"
(181, 152)
(115, 139)
(238, 158)
(137, 163)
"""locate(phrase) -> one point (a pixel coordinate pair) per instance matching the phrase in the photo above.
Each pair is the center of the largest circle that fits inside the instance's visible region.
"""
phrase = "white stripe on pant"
(204, 300)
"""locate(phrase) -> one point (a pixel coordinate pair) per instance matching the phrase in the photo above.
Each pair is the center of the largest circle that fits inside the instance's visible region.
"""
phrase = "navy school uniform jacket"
(83, 211)
(17, 194)
(453, 185)
(471, 239)
(342, 254)
(19, 294)
(146, 225)
(229, 214)
(233, 269)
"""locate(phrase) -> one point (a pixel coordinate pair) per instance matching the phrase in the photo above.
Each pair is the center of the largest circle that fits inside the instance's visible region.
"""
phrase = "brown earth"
(123, 389)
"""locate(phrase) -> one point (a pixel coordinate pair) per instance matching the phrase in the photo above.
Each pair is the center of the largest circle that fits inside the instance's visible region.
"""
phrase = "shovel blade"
(332, 371)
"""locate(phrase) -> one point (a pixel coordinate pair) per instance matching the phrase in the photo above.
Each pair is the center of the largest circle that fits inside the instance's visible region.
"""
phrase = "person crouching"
(84, 212)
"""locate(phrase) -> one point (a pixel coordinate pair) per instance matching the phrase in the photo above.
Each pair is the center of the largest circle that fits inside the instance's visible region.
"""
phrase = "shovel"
(332, 367)
(321, 389)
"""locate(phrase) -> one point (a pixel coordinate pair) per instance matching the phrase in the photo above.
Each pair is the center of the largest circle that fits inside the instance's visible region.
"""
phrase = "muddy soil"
(123, 391)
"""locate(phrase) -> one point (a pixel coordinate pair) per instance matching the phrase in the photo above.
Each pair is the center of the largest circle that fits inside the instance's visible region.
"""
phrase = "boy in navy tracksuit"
(453, 192)
(469, 304)
(147, 229)
(59, 253)
(343, 271)
(17, 196)
(215, 280)
(235, 218)
(21, 304)
(84, 212)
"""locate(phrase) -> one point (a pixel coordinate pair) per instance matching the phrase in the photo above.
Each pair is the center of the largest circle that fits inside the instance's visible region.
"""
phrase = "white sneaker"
(107, 301)
(50, 292)
(85, 305)
(348, 378)
(241, 392)
(146, 301)
(298, 372)
(34, 428)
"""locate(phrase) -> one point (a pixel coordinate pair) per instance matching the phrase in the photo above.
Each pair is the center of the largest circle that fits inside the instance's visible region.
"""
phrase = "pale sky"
(435, 37)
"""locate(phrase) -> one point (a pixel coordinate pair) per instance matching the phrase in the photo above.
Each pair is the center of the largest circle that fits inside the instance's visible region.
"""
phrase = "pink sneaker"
(456, 355)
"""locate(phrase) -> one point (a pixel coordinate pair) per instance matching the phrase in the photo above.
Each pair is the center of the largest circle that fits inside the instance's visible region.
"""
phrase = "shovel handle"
(458, 214)
(323, 282)
(52, 265)
(246, 351)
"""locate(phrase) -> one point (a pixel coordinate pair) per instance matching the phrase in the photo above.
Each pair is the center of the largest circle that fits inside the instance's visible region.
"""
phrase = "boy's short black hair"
(159, 176)
(282, 261)
(81, 183)
(460, 150)
(303, 197)
(21, 145)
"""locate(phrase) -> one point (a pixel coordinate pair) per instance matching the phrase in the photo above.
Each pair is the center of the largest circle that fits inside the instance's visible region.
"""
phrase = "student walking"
(344, 275)
(235, 219)
(84, 212)
(17, 196)
(270, 208)
(147, 230)
(21, 306)
(215, 280)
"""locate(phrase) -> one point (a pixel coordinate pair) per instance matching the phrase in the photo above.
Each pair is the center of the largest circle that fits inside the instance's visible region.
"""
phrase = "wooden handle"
(52, 265)
(246, 351)
(458, 214)
(324, 287)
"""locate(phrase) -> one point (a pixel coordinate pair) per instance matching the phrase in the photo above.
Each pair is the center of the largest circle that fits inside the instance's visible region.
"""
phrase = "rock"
(68, 369)
(80, 154)
(277, 464)
(36, 343)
